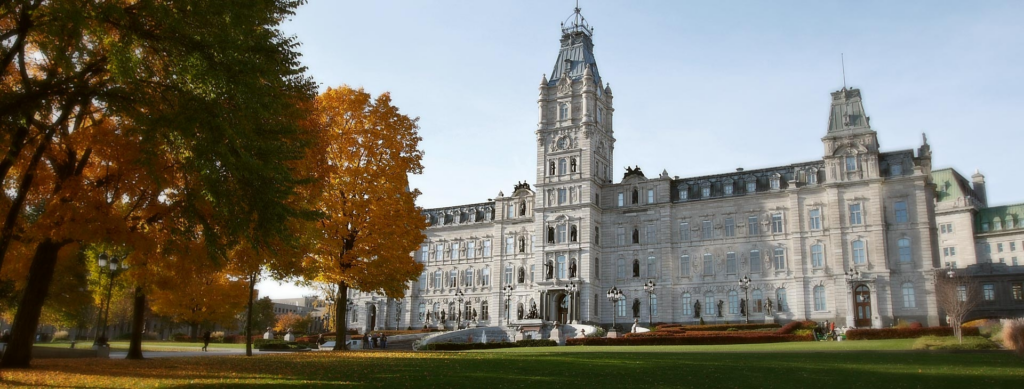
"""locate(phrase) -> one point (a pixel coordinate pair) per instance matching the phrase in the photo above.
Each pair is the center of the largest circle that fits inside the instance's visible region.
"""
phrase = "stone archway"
(371, 315)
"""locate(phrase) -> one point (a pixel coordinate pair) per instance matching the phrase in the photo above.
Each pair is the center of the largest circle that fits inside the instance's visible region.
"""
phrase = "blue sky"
(700, 87)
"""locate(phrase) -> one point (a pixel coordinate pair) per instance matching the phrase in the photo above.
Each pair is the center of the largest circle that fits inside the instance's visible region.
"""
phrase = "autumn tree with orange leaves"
(369, 221)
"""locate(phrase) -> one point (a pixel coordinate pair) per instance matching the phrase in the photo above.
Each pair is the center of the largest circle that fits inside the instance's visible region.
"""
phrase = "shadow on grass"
(622, 369)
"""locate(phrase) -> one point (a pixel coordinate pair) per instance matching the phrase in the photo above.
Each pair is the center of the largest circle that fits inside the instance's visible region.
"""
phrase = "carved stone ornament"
(564, 86)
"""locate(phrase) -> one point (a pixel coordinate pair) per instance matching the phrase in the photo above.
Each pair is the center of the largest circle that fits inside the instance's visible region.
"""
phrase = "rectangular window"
(621, 199)
(425, 252)
(509, 245)
(989, 292)
(904, 248)
(651, 234)
(455, 250)
(901, 211)
(817, 256)
(815, 220)
(684, 266)
(707, 229)
(730, 263)
(777, 223)
(851, 163)
(439, 251)
(470, 249)
(487, 248)
(684, 231)
(779, 259)
(620, 269)
(999, 247)
(755, 261)
(650, 196)
(730, 227)
(752, 227)
(560, 233)
(819, 298)
(620, 236)
(858, 252)
(1018, 291)
(560, 264)
(652, 267)
(709, 265)
(467, 278)
(561, 196)
(485, 277)
(949, 251)
(946, 228)
(855, 216)
(1013, 246)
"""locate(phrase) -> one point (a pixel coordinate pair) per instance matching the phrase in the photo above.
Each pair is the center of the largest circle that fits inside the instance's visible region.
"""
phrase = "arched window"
(780, 300)
(757, 301)
(620, 308)
(687, 304)
(904, 246)
(422, 312)
(859, 256)
(734, 302)
(684, 192)
(563, 111)
(620, 269)
(562, 166)
(819, 298)
(908, 295)
(776, 181)
(709, 304)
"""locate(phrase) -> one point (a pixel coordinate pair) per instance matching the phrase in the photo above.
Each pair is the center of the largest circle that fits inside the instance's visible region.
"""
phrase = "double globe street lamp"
(115, 265)
(745, 285)
(614, 295)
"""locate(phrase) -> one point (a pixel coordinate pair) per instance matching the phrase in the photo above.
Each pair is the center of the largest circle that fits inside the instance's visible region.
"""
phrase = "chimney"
(978, 182)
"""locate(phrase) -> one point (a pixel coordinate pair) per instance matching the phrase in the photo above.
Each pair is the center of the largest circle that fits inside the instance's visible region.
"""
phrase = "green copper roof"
(1004, 217)
(950, 185)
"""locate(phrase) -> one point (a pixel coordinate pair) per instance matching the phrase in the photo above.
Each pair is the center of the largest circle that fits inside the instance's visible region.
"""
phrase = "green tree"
(263, 314)
(211, 95)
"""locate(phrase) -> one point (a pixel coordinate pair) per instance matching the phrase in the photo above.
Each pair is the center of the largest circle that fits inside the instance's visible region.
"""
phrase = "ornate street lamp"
(572, 288)
(614, 295)
(459, 296)
(398, 315)
(114, 264)
(649, 288)
(745, 285)
(508, 301)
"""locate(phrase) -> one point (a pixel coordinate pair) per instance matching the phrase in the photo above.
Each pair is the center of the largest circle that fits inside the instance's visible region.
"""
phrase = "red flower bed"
(725, 327)
(704, 339)
(905, 333)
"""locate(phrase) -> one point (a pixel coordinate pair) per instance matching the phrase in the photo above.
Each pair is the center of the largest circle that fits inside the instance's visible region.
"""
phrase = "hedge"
(905, 333)
(726, 327)
(792, 326)
(731, 338)
(491, 345)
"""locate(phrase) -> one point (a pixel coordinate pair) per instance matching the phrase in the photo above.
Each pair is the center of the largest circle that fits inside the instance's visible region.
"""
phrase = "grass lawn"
(754, 366)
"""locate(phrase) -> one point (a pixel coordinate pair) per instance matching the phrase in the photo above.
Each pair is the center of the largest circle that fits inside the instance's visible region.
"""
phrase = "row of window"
(996, 224)
(456, 250)
(452, 312)
(634, 198)
(481, 276)
(988, 292)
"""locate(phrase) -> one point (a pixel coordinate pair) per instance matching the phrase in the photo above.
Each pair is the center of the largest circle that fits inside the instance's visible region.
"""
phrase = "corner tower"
(851, 146)
(574, 158)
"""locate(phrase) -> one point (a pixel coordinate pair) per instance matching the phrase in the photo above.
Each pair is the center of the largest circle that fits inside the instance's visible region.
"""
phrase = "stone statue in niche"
(720, 304)
(519, 312)
(533, 310)
(696, 308)
(548, 269)
(636, 308)
(572, 269)
(768, 306)
(572, 164)
(636, 268)
(522, 244)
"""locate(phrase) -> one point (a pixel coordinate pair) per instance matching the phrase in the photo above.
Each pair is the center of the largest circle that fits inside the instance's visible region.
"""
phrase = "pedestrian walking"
(206, 340)
(384, 341)
(366, 341)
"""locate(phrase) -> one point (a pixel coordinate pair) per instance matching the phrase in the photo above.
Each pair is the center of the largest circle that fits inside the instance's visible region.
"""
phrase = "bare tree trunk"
(340, 324)
(26, 321)
(248, 314)
(138, 321)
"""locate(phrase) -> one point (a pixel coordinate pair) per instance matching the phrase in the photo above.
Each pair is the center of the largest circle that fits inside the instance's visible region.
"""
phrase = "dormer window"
(563, 111)
(896, 170)
(776, 181)
(705, 191)
(684, 192)
(727, 187)
(812, 177)
(751, 186)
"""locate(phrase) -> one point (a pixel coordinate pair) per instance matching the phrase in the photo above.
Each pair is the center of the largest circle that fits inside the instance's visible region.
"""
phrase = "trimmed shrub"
(916, 325)
(792, 326)
(466, 346)
(536, 343)
(905, 333)
(726, 327)
(689, 339)
(951, 343)
(1013, 335)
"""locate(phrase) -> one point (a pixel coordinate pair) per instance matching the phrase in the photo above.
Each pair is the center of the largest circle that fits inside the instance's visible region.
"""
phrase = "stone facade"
(852, 237)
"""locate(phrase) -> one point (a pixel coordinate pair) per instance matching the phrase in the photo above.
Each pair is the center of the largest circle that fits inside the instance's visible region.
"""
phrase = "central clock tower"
(575, 142)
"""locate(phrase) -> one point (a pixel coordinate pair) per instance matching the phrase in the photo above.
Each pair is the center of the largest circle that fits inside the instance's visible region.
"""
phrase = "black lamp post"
(508, 301)
(114, 265)
(614, 295)
(649, 288)
(745, 285)
(398, 314)
(572, 288)
(459, 296)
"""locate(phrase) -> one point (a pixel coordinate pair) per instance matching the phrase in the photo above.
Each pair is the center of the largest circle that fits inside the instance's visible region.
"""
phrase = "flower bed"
(905, 333)
(726, 327)
(707, 338)
(491, 345)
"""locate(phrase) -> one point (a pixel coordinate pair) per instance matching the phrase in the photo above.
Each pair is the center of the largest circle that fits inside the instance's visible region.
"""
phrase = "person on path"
(366, 341)
(206, 340)
(384, 341)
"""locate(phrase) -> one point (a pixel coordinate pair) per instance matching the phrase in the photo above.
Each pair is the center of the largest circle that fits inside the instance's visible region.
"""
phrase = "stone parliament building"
(853, 237)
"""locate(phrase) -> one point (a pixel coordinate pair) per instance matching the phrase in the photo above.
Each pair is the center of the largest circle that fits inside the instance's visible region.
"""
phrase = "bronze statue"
(636, 308)
(720, 304)
(696, 308)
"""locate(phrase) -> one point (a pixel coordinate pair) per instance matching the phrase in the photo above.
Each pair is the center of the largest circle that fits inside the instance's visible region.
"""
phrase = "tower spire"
(842, 60)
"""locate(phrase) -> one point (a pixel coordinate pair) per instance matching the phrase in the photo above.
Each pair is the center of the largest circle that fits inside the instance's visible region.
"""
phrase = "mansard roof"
(576, 53)
(1000, 218)
(950, 186)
